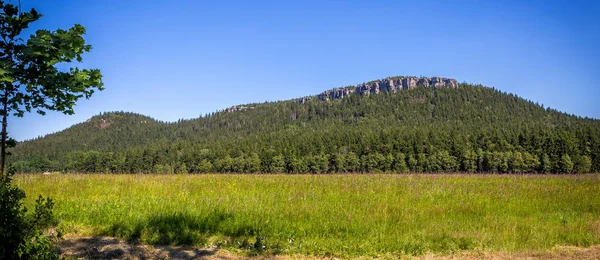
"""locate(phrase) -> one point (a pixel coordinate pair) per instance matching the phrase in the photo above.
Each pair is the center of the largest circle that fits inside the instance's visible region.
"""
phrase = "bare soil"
(111, 248)
(562, 252)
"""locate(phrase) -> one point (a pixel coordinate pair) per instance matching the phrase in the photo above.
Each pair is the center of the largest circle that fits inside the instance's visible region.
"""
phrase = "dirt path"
(112, 248)
(566, 252)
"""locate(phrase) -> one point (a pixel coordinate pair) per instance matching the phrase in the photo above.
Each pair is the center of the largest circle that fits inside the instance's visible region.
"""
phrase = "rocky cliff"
(236, 108)
(393, 84)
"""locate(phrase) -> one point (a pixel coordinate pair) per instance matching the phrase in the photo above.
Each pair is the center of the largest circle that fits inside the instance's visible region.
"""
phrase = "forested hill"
(433, 125)
(113, 131)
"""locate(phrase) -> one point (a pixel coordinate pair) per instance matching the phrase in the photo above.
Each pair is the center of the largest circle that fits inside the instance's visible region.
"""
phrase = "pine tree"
(546, 165)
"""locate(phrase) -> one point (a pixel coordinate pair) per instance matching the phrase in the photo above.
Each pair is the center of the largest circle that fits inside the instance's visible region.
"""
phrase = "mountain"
(100, 132)
(397, 124)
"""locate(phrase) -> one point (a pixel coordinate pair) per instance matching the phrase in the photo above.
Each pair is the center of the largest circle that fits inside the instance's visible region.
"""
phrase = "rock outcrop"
(384, 85)
(237, 108)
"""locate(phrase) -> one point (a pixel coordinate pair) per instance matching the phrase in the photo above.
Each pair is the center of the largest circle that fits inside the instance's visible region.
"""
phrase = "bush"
(21, 234)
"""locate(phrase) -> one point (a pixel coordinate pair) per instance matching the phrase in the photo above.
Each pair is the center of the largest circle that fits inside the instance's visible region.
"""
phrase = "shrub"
(21, 234)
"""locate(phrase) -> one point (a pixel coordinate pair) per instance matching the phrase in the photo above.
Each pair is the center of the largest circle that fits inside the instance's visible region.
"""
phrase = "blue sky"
(180, 59)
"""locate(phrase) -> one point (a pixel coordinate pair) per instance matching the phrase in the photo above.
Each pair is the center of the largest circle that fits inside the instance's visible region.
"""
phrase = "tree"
(584, 164)
(29, 77)
(387, 164)
(181, 169)
(239, 163)
(469, 161)
(545, 165)
(322, 162)
(531, 163)
(30, 80)
(298, 165)
(504, 159)
(400, 163)
(565, 164)
(413, 163)
(224, 164)
(493, 161)
(372, 162)
(480, 160)
(252, 163)
(278, 164)
(205, 166)
(317, 163)
(338, 163)
(517, 163)
(446, 161)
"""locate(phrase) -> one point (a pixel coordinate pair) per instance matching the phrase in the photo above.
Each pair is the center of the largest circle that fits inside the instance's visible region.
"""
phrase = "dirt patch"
(112, 248)
(562, 252)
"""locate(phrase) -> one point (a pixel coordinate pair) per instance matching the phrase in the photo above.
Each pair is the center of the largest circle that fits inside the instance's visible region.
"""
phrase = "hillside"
(105, 132)
(396, 124)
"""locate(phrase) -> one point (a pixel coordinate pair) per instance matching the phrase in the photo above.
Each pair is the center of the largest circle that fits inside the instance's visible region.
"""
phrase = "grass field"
(330, 215)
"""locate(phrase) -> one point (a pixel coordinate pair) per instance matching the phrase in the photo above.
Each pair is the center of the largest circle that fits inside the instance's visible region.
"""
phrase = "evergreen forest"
(471, 128)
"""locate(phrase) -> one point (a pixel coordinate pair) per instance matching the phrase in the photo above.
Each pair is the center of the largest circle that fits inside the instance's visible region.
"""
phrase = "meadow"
(330, 215)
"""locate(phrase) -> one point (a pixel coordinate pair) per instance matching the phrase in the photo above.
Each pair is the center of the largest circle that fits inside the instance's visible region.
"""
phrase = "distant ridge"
(395, 124)
(389, 84)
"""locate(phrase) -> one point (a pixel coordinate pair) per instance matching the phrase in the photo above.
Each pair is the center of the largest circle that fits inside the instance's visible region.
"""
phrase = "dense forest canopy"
(470, 128)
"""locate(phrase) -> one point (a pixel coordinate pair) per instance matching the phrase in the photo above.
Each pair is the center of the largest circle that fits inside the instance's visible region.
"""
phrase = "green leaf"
(7, 79)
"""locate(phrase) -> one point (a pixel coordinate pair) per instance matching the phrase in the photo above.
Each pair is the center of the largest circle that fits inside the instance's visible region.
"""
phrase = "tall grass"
(331, 215)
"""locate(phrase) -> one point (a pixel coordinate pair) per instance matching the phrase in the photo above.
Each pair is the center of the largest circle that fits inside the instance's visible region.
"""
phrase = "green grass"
(330, 215)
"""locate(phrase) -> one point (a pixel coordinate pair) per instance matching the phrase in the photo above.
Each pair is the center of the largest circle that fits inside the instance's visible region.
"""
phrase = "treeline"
(167, 162)
(468, 129)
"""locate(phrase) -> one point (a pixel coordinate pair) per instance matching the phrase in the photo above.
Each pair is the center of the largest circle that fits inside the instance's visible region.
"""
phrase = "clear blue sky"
(179, 59)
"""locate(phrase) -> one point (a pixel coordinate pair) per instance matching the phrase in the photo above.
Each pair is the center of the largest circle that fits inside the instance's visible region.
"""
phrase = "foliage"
(467, 129)
(21, 233)
(30, 79)
(565, 164)
(347, 215)
(29, 75)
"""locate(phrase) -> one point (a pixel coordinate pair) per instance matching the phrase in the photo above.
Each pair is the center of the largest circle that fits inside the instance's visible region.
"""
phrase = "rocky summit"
(392, 84)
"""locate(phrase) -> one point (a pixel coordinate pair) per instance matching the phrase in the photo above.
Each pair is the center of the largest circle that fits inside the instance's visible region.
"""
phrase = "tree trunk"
(4, 134)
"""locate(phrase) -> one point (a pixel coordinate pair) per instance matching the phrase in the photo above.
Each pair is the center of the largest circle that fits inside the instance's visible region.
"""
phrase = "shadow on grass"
(222, 228)
(182, 228)
(112, 248)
